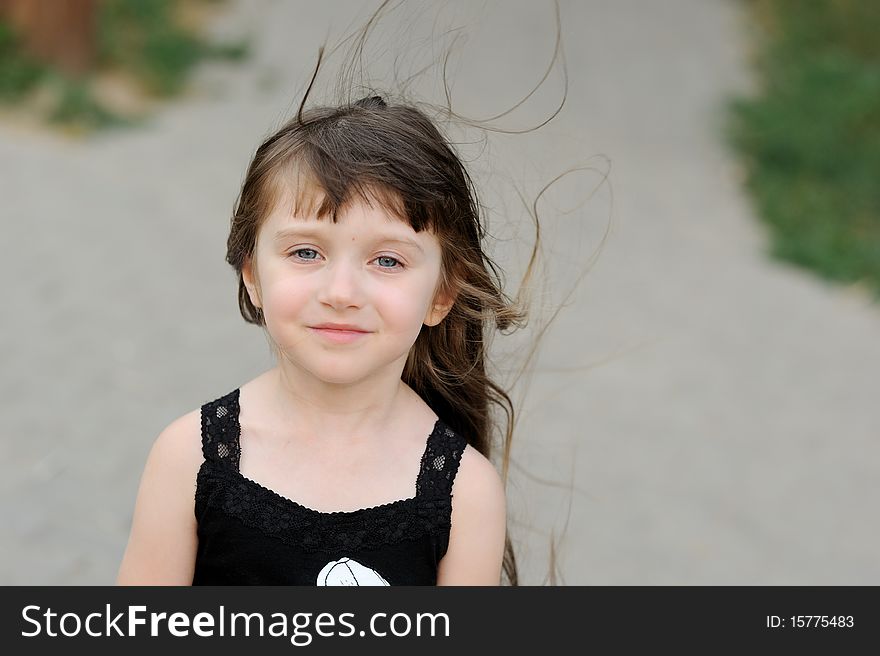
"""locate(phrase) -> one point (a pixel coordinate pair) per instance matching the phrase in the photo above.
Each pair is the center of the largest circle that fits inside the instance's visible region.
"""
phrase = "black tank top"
(251, 535)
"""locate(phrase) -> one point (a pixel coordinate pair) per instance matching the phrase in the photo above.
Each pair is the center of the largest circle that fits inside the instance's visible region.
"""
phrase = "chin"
(338, 375)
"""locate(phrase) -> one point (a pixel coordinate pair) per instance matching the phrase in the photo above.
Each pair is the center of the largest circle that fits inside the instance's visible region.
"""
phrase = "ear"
(251, 282)
(439, 309)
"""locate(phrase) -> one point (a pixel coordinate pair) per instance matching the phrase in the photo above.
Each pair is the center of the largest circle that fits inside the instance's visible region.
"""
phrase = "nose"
(341, 285)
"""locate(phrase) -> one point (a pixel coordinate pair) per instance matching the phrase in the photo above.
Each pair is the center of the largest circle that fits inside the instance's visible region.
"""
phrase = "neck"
(352, 412)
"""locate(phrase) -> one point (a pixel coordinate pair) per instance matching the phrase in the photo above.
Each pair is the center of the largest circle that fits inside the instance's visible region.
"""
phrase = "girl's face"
(369, 269)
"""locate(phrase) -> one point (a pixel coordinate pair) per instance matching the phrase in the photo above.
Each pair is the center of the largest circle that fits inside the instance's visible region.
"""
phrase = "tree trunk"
(58, 32)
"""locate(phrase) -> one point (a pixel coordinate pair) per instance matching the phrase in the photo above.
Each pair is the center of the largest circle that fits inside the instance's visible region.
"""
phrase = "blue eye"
(397, 263)
(300, 250)
(393, 259)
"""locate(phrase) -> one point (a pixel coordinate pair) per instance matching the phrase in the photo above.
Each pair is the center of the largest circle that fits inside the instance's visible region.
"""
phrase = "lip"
(339, 336)
(340, 326)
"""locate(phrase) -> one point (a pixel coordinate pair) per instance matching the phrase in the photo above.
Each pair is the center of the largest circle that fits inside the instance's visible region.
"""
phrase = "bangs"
(297, 189)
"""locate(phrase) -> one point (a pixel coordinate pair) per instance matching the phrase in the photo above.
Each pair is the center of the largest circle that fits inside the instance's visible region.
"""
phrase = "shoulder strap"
(440, 461)
(221, 430)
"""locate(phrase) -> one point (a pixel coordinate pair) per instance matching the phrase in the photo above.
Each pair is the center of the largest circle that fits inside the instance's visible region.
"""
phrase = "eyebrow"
(311, 232)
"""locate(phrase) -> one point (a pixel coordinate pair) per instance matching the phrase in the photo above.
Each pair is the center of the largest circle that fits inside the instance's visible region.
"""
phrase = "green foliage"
(140, 38)
(18, 73)
(811, 139)
(76, 108)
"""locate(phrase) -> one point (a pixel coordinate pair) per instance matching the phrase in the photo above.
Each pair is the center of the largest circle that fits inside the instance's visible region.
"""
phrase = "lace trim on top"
(221, 430)
(220, 481)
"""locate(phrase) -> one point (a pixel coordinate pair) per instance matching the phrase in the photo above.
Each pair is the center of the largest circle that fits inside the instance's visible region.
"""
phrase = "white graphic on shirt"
(346, 571)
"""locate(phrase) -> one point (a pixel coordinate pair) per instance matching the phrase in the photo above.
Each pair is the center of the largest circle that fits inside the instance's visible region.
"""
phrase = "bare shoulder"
(179, 445)
(478, 482)
(479, 524)
(162, 543)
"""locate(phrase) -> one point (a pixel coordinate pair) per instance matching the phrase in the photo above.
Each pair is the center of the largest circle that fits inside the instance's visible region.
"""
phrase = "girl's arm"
(479, 519)
(162, 544)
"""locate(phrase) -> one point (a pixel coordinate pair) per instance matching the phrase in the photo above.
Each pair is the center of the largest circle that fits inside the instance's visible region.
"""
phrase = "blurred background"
(704, 409)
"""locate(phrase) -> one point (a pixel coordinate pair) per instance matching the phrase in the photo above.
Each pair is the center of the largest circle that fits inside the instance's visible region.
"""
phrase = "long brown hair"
(393, 153)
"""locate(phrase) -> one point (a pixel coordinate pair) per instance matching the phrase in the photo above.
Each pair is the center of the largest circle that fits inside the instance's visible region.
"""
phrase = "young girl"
(360, 458)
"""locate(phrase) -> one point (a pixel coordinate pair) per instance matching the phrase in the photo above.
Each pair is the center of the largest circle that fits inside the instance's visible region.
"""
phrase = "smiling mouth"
(339, 336)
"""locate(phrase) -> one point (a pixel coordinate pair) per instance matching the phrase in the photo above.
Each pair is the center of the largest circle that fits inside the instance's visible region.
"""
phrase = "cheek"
(285, 298)
(403, 310)
(405, 303)
(401, 307)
